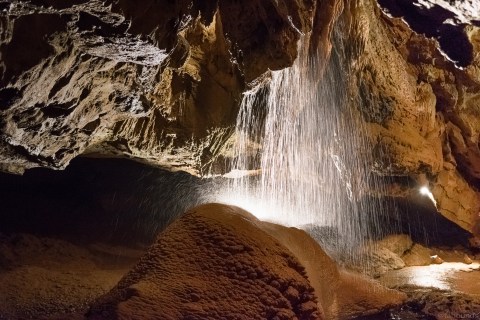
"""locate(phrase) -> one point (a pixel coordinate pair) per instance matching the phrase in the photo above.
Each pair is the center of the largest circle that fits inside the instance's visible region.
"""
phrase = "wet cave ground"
(67, 237)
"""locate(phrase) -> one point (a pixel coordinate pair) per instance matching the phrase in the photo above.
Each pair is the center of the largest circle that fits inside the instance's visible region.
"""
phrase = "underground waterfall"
(265, 159)
(311, 161)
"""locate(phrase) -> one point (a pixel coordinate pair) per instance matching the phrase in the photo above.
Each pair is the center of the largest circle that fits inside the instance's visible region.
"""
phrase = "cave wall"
(420, 101)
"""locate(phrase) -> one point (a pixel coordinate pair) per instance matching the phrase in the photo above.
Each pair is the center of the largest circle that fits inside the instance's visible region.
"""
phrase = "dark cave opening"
(113, 200)
(126, 202)
(433, 22)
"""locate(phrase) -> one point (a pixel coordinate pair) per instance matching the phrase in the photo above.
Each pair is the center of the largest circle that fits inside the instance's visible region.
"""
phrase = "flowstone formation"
(219, 261)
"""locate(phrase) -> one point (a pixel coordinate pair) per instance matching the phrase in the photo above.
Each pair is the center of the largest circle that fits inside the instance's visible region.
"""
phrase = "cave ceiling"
(159, 82)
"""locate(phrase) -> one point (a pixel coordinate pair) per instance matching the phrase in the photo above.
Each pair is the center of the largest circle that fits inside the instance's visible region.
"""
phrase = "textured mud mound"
(219, 262)
(211, 265)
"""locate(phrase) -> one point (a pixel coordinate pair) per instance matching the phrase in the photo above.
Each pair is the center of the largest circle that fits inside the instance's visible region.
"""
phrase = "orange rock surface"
(219, 262)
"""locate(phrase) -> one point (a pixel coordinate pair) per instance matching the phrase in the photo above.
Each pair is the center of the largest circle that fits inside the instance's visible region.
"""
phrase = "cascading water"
(313, 163)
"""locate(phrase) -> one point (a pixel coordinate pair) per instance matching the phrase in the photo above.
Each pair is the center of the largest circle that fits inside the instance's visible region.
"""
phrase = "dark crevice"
(416, 216)
(58, 110)
(8, 96)
(62, 82)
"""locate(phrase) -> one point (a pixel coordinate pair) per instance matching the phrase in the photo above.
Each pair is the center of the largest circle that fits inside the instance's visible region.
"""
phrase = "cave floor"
(448, 276)
(446, 291)
(49, 278)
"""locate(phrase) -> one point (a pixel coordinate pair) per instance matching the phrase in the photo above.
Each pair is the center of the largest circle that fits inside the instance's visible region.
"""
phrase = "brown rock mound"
(342, 294)
(219, 262)
(210, 264)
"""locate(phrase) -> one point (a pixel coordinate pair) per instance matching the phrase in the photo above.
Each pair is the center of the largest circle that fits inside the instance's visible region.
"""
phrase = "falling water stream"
(313, 165)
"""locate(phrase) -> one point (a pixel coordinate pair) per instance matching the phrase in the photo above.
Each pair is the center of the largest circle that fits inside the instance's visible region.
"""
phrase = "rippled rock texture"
(270, 272)
(159, 81)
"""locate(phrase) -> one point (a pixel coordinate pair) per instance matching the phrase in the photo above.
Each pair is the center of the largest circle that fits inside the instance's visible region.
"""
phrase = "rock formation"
(161, 82)
(270, 272)
(209, 264)
(418, 95)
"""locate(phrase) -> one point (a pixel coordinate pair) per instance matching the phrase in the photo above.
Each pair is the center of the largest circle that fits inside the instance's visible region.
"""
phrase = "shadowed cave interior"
(107, 212)
(124, 202)
(249, 159)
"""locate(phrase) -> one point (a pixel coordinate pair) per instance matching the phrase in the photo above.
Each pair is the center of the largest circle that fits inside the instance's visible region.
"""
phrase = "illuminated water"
(313, 163)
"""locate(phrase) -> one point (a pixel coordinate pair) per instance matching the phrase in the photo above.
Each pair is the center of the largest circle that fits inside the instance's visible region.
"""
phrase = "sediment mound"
(220, 262)
(212, 263)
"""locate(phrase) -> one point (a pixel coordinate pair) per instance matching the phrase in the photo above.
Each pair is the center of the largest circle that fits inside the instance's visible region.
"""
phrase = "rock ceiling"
(160, 82)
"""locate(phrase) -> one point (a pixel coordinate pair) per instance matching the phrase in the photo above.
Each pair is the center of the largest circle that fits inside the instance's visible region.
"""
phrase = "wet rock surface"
(395, 253)
(419, 108)
(432, 305)
(443, 286)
